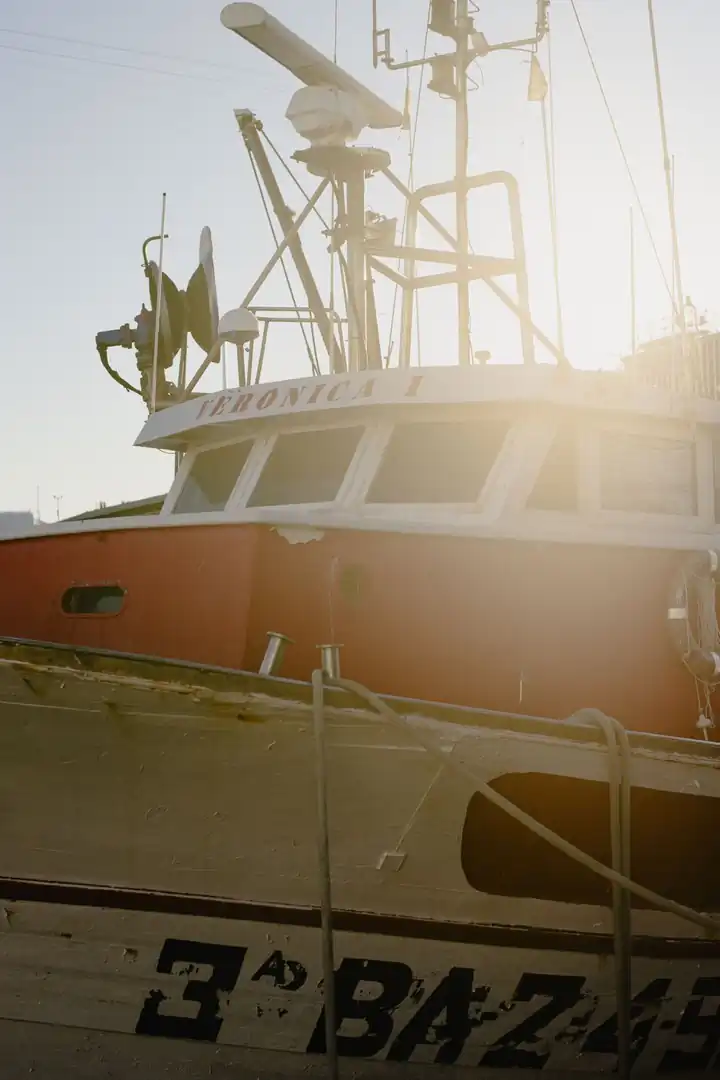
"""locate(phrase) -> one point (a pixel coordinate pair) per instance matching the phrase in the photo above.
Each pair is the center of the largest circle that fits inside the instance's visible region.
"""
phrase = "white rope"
(703, 634)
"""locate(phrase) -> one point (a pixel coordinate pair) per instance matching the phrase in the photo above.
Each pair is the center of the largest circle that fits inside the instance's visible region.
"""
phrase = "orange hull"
(540, 628)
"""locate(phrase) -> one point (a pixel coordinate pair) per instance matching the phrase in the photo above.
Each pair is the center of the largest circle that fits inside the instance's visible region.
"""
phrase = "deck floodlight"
(266, 33)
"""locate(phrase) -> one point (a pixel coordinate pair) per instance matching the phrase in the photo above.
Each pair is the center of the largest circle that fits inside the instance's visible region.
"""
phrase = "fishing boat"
(389, 736)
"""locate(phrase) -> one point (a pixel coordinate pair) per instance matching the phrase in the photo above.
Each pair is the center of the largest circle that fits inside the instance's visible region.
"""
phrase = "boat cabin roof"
(229, 412)
(503, 451)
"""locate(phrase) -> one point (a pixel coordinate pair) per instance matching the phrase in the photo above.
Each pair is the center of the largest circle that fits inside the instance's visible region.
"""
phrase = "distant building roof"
(15, 521)
(136, 508)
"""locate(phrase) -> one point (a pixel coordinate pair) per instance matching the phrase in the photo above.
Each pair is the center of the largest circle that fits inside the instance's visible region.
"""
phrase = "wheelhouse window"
(211, 479)
(578, 810)
(437, 461)
(556, 487)
(643, 474)
(306, 467)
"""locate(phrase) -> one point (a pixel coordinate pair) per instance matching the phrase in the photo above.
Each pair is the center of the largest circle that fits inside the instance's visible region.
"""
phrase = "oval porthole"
(93, 600)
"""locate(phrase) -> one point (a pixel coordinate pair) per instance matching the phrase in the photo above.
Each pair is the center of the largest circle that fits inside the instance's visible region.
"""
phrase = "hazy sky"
(89, 144)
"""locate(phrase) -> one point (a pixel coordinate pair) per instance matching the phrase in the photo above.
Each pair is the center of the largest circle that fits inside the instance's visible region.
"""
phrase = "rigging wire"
(115, 64)
(628, 169)
(327, 228)
(551, 110)
(548, 121)
(412, 141)
(118, 48)
(550, 170)
(305, 194)
(669, 179)
(313, 359)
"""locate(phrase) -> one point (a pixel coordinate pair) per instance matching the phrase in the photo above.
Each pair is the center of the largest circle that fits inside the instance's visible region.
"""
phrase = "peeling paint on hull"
(181, 988)
(158, 888)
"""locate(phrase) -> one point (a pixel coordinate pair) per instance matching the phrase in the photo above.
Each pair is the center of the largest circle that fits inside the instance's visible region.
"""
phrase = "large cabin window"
(579, 810)
(646, 474)
(437, 462)
(556, 487)
(212, 477)
(306, 467)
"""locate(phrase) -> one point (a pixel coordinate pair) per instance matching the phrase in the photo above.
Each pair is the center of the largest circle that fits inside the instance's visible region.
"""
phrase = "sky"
(106, 106)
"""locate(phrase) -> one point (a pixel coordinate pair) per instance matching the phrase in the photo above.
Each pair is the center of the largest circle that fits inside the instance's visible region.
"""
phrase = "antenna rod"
(633, 305)
(159, 298)
(461, 173)
(680, 305)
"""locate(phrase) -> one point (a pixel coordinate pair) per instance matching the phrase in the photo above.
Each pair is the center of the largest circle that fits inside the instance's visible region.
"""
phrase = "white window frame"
(252, 472)
(651, 428)
(590, 510)
(435, 510)
(186, 465)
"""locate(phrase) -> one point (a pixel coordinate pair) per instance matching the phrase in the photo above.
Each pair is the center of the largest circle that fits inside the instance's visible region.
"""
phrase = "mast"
(330, 111)
(678, 298)
(158, 314)
(633, 300)
(462, 58)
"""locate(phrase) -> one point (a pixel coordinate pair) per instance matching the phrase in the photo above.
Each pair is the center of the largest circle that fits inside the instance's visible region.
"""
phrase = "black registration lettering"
(644, 1011)
(697, 1019)
(225, 961)
(452, 999)
(394, 980)
(286, 974)
(564, 991)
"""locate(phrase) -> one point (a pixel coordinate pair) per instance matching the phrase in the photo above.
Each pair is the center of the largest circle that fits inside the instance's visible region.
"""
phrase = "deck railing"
(690, 367)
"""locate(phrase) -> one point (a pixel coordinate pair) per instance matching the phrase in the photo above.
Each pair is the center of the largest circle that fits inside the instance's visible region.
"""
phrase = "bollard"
(274, 653)
(330, 660)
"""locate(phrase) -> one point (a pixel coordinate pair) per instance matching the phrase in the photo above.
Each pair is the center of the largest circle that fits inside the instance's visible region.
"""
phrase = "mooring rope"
(618, 875)
(699, 918)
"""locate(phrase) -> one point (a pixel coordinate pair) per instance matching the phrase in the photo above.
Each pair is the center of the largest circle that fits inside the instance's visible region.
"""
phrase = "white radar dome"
(238, 326)
(326, 116)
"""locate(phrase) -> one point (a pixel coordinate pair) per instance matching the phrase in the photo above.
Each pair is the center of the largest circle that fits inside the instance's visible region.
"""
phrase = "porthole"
(93, 600)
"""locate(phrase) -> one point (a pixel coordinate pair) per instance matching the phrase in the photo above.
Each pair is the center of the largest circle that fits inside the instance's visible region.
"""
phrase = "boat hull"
(160, 884)
(524, 626)
(197, 990)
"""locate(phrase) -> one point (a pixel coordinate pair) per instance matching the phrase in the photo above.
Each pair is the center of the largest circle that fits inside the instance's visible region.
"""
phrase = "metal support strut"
(248, 126)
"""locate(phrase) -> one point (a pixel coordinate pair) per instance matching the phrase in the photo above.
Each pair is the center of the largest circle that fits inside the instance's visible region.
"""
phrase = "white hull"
(159, 887)
(219, 982)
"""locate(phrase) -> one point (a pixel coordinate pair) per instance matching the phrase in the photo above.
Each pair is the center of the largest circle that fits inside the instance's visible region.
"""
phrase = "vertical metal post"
(633, 302)
(408, 296)
(461, 168)
(356, 268)
(158, 313)
(242, 376)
